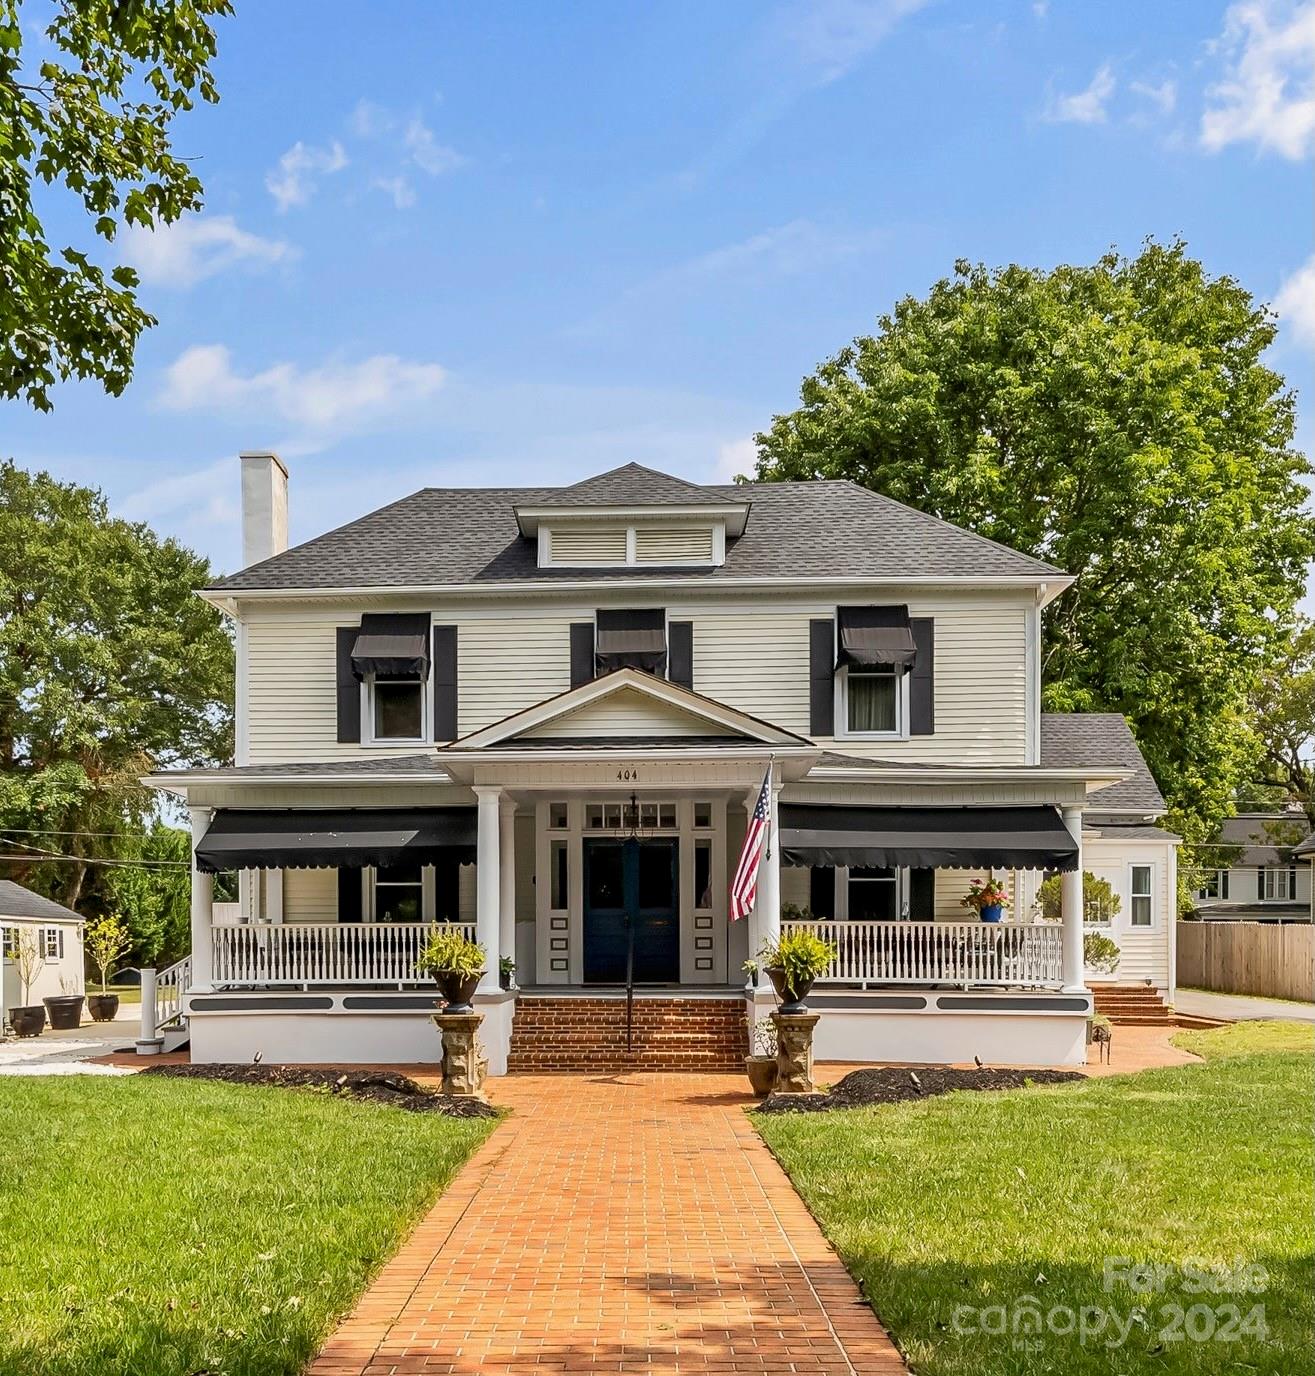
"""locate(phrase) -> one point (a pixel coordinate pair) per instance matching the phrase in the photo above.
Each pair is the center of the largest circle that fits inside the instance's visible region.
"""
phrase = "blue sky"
(467, 244)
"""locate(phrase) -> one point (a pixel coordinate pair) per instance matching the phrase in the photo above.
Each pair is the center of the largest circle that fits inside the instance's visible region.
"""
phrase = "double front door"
(630, 904)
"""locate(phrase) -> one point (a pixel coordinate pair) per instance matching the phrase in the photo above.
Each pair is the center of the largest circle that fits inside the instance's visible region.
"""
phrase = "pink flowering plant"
(985, 893)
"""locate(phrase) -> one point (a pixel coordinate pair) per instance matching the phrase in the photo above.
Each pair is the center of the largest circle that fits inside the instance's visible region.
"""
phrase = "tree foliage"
(154, 894)
(1119, 421)
(1284, 706)
(86, 102)
(109, 666)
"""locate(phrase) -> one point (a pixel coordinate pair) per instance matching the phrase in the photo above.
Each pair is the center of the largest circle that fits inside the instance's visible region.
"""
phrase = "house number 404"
(627, 775)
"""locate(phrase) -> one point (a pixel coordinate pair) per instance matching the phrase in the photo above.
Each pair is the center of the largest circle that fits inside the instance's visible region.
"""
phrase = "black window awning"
(346, 838)
(392, 645)
(1028, 838)
(631, 640)
(875, 638)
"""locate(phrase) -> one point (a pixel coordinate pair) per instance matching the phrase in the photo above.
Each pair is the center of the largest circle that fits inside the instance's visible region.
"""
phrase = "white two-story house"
(545, 714)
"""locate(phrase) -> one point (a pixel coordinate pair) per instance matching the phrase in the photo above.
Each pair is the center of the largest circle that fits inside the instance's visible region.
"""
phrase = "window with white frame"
(873, 894)
(1213, 884)
(53, 942)
(1278, 883)
(9, 941)
(395, 711)
(399, 893)
(1142, 903)
(871, 701)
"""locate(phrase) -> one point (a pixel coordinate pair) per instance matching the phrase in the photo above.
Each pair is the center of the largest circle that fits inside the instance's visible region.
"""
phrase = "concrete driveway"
(1240, 1007)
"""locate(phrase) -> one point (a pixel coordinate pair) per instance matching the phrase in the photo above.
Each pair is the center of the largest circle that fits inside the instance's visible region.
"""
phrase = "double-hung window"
(1141, 896)
(396, 710)
(1214, 884)
(872, 702)
(399, 893)
(874, 894)
(874, 653)
(1278, 883)
(53, 943)
(391, 658)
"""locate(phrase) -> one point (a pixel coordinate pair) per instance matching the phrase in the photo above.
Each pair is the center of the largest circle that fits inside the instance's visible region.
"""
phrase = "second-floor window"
(1214, 884)
(1278, 884)
(872, 701)
(395, 709)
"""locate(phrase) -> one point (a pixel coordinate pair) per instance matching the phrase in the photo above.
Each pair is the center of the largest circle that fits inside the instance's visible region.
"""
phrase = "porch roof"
(927, 837)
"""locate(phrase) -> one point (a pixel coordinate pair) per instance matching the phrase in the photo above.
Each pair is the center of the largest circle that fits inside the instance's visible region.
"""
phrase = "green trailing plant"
(801, 956)
(450, 953)
(107, 941)
(1100, 953)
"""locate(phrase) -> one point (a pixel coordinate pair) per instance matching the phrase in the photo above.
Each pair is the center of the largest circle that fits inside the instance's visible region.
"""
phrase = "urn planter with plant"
(456, 965)
(27, 1020)
(107, 941)
(793, 963)
(988, 898)
(65, 1008)
(506, 972)
(760, 1063)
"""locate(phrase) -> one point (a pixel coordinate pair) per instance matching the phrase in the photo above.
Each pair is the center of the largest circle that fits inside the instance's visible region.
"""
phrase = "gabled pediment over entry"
(633, 706)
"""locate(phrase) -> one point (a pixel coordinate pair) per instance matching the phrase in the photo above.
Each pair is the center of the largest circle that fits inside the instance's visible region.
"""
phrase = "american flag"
(744, 887)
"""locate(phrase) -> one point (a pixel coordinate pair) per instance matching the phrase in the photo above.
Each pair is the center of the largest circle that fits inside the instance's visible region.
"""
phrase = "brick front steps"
(1137, 1004)
(572, 1033)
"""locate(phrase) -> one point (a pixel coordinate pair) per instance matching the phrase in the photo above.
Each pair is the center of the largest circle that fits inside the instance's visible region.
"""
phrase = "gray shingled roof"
(386, 766)
(1307, 847)
(16, 901)
(821, 529)
(1247, 830)
(1096, 740)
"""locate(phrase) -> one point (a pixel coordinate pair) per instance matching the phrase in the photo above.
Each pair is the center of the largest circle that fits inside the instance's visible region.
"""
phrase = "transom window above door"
(616, 816)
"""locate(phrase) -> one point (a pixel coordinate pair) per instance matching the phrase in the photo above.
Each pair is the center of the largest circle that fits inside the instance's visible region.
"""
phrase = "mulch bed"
(896, 1085)
(372, 1086)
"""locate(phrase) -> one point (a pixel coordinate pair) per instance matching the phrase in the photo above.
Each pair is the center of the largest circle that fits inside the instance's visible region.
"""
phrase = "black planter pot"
(28, 1022)
(792, 998)
(458, 990)
(102, 1007)
(64, 1011)
(504, 979)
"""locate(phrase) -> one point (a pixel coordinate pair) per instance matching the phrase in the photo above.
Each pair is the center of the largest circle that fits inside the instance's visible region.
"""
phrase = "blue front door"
(630, 884)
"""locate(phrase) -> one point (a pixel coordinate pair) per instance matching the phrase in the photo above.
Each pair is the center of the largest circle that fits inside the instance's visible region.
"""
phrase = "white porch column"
(488, 884)
(767, 910)
(507, 878)
(203, 889)
(1071, 910)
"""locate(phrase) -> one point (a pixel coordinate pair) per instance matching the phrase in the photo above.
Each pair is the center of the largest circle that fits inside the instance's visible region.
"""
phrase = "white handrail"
(1016, 954)
(170, 986)
(306, 953)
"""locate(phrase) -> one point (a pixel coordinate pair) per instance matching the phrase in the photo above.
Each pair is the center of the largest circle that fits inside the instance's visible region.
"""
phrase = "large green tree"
(1284, 705)
(1118, 420)
(109, 666)
(88, 91)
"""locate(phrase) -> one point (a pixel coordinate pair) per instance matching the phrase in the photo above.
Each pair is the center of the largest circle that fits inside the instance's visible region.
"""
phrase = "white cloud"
(333, 396)
(293, 181)
(1267, 95)
(1041, 8)
(402, 192)
(427, 153)
(199, 497)
(196, 247)
(369, 120)
(1084, 107)
(830, 37)
(735, 457)
(1164, 96)
(1295, 303)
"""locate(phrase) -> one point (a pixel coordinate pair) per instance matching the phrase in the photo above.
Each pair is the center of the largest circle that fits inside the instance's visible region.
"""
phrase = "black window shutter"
(349, 687)
(1260, 881)
(922, 679)
(922, 895)
(680, 653)
(445, 683)
(1223, 884)
(582, 653)
(822, 678)
(349, 895)
(822, 891)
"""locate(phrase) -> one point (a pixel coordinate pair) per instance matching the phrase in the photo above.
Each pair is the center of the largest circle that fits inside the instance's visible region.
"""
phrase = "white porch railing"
(304, 953)
(1028, 954)
(170, 986)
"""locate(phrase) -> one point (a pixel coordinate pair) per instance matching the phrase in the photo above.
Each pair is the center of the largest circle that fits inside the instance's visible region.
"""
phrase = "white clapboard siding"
(508, 664)
(1143, 951)
(754, 660)
(628, 713)
(310, 895)
(673, 544)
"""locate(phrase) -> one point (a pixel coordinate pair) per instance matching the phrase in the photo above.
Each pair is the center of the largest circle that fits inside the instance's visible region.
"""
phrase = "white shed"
(57, 932)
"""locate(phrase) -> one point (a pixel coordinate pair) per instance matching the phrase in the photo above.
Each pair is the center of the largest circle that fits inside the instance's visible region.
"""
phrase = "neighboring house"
(545, 714)
(56, 932)
(1306, 851)
(1265, 879)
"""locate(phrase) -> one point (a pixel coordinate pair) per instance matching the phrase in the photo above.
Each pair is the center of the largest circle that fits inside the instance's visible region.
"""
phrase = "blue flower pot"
(993, 912)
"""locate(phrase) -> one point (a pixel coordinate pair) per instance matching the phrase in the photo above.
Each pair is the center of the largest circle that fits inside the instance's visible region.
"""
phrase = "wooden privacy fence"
(1275, 960)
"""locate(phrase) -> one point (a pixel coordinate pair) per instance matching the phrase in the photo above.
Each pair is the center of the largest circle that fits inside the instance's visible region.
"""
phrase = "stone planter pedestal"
(463, 1070)
(794, 1051)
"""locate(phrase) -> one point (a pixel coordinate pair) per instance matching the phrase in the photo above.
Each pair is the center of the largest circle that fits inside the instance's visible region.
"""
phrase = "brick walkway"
(632, 1223)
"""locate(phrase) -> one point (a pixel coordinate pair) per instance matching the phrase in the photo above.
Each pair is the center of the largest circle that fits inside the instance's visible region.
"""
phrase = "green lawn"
(162, 1227)
(950, 1211)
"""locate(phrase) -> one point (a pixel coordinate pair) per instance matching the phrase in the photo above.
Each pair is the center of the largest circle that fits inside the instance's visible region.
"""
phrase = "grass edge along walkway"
(951, 1213)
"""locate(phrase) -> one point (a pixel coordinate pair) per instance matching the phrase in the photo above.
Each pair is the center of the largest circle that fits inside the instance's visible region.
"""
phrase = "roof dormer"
(633, 517)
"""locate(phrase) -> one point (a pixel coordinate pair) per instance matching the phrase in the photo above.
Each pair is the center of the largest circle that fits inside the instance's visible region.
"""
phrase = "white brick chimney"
(264, 506)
